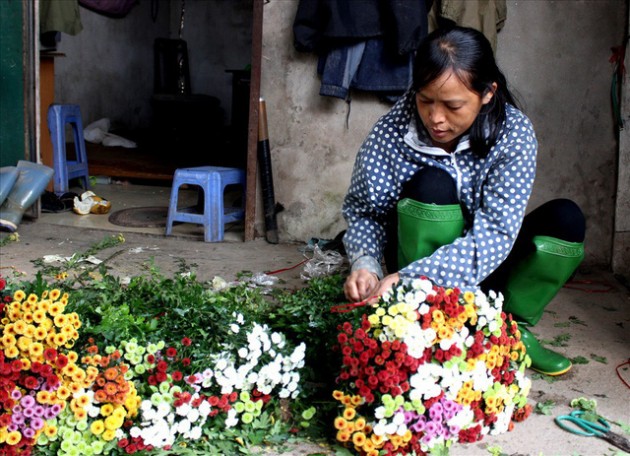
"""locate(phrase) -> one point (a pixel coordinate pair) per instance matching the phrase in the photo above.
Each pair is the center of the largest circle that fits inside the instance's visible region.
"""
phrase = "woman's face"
(448, 109)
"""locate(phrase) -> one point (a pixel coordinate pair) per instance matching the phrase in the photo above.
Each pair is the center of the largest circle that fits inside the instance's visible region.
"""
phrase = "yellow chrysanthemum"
(40, 333)
(11, 352)
(19, 327)
(59, 339)
(8, 340)
(43, 397)
(338, 395)
(112, 422)
(75, 387)
(79, 376)
(55, 309)
(343, 435)
(359, 424)
(63, 392)
(54, 294)
(23, 343)
(83, 400)
(358, 439)
(349, 413)
(396, 440)
(340, 423)
(368, 446)
(35, 350)
(438, 316)
(120, 413)
(13, 438)
(50, 430)
(39, 316)
(97, 427)
(60, 320)
(377, 440)
(108, 435)
(356, 400)
(19, 295)
(107, 409)
(30, 331)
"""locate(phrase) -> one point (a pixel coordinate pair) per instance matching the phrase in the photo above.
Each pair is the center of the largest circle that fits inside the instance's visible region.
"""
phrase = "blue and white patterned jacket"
(494, 191)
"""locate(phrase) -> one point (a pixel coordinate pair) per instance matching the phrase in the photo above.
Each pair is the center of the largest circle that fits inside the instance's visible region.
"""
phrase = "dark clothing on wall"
(362, 44)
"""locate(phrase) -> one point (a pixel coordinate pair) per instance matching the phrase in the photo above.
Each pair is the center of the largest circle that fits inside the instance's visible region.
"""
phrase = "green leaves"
(545, 408)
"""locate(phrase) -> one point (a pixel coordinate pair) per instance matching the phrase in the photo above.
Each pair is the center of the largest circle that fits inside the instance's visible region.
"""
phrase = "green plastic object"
(545, 361)
(534, 282)
(423, 228)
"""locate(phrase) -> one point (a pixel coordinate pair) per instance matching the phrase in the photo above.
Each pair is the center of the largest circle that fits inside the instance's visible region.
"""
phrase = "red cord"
(287, 269)
(343, 308)
(619, 374)
(575, 285)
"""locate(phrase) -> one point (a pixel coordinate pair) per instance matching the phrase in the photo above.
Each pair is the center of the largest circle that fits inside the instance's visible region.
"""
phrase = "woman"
(441, 185)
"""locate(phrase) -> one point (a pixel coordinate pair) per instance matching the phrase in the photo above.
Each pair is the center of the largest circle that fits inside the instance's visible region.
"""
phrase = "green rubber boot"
(531, 285)
(423, 228)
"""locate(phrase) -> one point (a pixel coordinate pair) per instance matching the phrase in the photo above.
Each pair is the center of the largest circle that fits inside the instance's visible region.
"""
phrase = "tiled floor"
(126, 195)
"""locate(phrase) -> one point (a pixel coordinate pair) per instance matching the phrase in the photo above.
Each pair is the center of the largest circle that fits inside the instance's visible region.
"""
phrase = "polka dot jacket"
(494, 191)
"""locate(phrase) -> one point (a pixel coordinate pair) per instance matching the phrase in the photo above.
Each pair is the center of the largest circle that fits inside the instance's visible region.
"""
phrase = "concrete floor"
(597, 316)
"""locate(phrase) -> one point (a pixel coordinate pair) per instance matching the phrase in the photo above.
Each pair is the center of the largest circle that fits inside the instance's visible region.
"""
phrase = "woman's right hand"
(360, 284)
(363, 284)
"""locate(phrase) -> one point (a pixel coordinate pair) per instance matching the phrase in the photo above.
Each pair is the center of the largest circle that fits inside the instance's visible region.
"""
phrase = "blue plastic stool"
(212, 180)
(58, 116)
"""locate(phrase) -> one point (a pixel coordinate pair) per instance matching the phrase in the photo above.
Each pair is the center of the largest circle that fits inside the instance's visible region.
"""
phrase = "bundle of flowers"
(428, 367)
(133, 397)
(47, 392)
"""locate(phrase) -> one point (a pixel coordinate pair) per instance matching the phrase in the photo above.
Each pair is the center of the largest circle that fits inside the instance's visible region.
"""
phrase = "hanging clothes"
(362, 44)
(365, 66)
(487, 16)
(56, 16)
(112, 8)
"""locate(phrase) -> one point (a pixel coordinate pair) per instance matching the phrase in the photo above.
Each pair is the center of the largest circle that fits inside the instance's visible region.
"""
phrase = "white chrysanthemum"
(503, 420)
(232, 419)
(463, 418)
(205, 408)
(183, 426)
(183, 409)
(195, 433)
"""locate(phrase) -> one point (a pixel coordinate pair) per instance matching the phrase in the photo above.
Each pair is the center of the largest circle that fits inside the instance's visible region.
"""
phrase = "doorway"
(109, 70)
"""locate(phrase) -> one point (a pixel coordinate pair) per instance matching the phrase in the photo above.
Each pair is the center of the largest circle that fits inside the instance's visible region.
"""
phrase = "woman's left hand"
(386, 283)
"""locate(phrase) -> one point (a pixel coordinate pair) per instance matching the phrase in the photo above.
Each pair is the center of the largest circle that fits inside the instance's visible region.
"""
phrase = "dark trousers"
(558, 218)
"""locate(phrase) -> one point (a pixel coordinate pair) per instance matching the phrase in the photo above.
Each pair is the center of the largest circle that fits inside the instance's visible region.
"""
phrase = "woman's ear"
(485, 99)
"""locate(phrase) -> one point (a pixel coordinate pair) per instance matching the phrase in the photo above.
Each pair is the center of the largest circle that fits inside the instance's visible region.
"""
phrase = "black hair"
(468, 53)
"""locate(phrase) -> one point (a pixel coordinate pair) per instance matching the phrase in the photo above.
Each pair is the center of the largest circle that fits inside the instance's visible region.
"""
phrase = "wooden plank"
(252, 133)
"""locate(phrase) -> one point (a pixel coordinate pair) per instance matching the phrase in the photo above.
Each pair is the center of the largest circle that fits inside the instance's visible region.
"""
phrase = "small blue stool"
(212, 180)
(58, 116)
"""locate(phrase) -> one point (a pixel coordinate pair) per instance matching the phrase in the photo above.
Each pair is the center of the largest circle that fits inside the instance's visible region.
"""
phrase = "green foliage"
(599, 359)
(545, 408)
(579, 360)
(152, 307)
